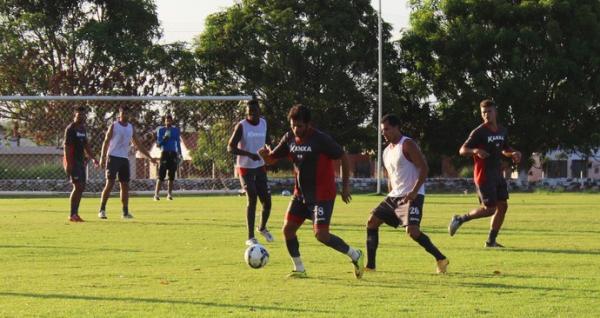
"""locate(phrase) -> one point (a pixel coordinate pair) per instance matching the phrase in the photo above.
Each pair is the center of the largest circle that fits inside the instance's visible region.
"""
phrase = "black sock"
(492, 236)
(103, 206)
(337, 244)
(74, 207)
(293, 247)
(372, 243)
(266, 212)
(125, 210)
(251, 213)
(424, 241)
(464, 218)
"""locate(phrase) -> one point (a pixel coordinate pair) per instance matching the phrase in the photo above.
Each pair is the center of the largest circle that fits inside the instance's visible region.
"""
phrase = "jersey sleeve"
(331, 148)
(474, 139)
(69, 136)
(282, 149)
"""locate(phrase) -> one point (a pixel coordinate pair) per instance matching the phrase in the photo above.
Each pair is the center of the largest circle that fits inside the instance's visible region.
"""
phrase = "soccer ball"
(256, 256)
(286, 193)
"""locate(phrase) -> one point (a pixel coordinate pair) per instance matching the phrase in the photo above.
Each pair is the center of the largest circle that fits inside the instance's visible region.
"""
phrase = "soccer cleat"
(169, 197)
(455, 223)
(75, 218)
(127, 216)
(442, 266)
(251, 241)
(297, 274)
(266, 234)
(359, 265)
(493, 245)
(369, 269)
(156, 198)
(102, 214)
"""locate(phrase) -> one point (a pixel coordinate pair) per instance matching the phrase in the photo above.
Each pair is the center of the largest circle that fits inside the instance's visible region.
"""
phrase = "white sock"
(353, 254)
(298, 266)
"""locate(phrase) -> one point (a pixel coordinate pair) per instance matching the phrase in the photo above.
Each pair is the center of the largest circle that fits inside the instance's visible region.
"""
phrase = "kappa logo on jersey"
(495, 138)
(253, 134)
(80, 134)
(300, 148)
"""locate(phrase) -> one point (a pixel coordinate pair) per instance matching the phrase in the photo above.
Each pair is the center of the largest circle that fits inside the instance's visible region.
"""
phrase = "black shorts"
(168, 162)
(319, 212)
(78, 174)
(254, 181)
(117, 166)
(393, 214)
(491, 192)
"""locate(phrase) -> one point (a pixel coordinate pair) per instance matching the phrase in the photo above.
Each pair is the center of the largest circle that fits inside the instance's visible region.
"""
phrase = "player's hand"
(516, 156)
(346, 197)
(481, 153)
(409, 197)
(265, 153)
(254, 156)
(96, 163)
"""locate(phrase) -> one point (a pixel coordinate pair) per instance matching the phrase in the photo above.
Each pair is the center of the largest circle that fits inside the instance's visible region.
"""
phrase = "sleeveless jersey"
(403, 174)
(120, 141)
(253, 138)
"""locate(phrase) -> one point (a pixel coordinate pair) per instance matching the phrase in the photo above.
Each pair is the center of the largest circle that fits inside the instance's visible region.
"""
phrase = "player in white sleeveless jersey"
(407, 169)
(117, 144)
(248, 137)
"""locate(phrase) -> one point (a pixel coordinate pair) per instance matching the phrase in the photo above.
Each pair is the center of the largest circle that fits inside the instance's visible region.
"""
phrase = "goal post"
(32, 136)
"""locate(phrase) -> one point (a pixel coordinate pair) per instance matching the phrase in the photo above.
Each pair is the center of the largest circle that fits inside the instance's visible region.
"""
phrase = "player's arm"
(272, 156)
(469, 148)
(138, 144)
(68, 152)
(235, 138)
(105, 143)
(90, 153)
(410, 148)
(179, 151)
(509, 152)
(160, 136)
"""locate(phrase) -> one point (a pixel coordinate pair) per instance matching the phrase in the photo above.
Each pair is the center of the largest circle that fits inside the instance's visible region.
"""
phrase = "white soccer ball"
(286, 193)
(256, 256)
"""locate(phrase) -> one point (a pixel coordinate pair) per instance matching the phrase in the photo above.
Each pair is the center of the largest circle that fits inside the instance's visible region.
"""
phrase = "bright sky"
(182, 20)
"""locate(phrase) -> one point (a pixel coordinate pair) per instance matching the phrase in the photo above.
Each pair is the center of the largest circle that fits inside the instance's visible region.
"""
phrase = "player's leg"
(264, 195)
(498, 218)
(321, 216)
(488, 199)
(171, 174)
(111, 175)
(383, 213)
(248, 182)
(78, 179)
(124, 176)
(295, 216)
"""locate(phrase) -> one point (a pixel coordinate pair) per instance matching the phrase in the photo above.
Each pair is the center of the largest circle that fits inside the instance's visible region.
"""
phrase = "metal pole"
(379, 102)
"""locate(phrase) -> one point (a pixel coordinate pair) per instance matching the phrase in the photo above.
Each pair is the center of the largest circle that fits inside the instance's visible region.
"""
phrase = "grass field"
(184, 258)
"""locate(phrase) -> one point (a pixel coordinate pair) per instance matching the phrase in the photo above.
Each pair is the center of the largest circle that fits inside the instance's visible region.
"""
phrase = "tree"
(84, 47)
(319, 53)
(538, 59)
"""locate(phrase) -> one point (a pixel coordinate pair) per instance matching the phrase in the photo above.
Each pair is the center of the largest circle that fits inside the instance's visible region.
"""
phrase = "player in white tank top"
(248, 137)
(114, 157)
(407, 170)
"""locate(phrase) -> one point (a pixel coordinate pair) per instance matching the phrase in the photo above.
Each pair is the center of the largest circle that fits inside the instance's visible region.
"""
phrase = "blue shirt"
(169, 144)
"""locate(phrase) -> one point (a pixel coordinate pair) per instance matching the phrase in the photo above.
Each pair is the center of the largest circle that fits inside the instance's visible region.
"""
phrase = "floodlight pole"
(379, 101)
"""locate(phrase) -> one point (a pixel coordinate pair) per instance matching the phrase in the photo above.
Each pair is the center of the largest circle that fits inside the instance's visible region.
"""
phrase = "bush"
(32, 173)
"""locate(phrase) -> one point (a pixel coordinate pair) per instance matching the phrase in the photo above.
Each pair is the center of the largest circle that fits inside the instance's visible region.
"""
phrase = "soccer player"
(407, 169)
(312, 153)
(248, 137)
(168, 139)
(76, 147)
(487, 144)
(117, 144)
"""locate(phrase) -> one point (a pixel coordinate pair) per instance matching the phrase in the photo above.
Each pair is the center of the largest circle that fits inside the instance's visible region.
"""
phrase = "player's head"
(299, 117)
(390, 128)
(80, 114)
(123, 113)
(488, 111)
(252, 110)
(168, 119)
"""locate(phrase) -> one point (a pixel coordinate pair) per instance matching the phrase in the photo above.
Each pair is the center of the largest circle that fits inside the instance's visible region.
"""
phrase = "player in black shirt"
(313, 153)
(76, 147)
(487, 144)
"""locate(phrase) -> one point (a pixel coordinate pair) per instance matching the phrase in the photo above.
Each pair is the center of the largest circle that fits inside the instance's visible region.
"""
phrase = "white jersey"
(403, 174)
(253, 138)
(121, 140)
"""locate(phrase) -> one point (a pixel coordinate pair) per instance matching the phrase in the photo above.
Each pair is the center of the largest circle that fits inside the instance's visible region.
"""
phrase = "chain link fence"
(32, 132)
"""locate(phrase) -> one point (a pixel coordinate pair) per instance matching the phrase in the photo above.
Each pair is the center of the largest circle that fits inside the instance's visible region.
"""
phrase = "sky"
(182, 20)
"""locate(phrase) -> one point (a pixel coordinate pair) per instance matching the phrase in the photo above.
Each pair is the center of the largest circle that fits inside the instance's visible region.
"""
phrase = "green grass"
(184, 258)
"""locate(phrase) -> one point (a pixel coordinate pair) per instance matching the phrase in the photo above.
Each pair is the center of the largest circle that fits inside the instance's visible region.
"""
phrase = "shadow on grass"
(160, 301)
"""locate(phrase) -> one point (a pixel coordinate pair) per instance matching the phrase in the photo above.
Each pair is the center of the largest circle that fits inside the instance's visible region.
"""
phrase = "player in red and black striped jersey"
(487, 144)
(313, 154)
(76, 147)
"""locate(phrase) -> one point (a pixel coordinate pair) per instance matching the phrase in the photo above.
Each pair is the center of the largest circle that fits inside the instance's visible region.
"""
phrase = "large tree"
(540, 61)
(320, 53)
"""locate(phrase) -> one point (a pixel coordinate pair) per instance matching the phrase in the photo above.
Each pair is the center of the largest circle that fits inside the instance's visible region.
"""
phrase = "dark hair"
(487, 103)
(252, 103)
(80, 109)
(299, 112)
(391, 119)
(123, 108)
(168, 116)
